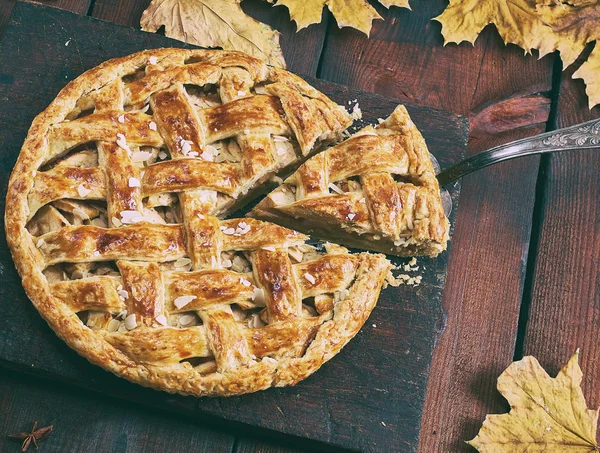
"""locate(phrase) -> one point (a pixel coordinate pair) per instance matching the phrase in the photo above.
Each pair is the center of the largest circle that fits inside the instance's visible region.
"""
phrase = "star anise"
(34, 436)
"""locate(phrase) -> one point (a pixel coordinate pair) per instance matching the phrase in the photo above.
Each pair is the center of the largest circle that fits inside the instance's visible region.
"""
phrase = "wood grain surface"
(563, 307)
(507, 96)
(359, 400)
(523, 275)
(88, 422)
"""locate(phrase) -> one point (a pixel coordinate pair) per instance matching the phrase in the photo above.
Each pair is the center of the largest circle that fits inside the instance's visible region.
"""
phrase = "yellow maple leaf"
(589, 71)
(348, 13)
(545, 25)
(214, 23)
(547, 414)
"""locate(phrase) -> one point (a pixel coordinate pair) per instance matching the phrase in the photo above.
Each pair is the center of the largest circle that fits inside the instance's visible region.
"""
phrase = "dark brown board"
(368, 398)
(564, 303)
(86, 422)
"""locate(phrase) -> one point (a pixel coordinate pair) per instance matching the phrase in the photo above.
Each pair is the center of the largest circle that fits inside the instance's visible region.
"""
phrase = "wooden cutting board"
(368, 398)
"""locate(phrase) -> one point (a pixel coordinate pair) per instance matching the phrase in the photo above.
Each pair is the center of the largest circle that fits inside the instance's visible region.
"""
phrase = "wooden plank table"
(524, 268)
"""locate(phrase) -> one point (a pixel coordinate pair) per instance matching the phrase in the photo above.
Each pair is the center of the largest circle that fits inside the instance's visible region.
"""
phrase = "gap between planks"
(538, 216)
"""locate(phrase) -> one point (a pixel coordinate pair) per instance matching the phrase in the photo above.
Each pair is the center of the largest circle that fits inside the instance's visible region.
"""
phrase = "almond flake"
(242, 228)
(134, 182)
(122, 293)
(122, 142)
(130, 322)
(192, 154)
(140, 156)
(209, 157)
(185, 145)
(116, 222)
(335, 188)
(228, 231)
(241, 93)
(40, 243)
(96, 253)
(200, 216)
(269, 248)
(153, 60)
(362, 200)
(226, 264)
(162, 320)
(131, 217)
(280, 138)
(269, 360)
(245, 282)
(162, 155)
(351, 216)
(182, 301)
(83, 191)
(310, 278)
(152, 126)
(121, 119)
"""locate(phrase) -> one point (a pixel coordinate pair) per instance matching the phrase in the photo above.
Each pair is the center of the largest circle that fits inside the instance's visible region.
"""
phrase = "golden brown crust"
(139, 285)
(377, 191)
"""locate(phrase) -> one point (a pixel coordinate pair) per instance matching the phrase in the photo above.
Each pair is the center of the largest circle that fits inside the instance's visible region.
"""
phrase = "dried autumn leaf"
(214, 23)
(547, 415)
(545, 25)
(589, 71)
(348, 13)
(576, 23)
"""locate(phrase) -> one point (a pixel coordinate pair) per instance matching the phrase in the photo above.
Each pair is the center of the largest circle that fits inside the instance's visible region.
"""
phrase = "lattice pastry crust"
(375, 191)
(120, 252)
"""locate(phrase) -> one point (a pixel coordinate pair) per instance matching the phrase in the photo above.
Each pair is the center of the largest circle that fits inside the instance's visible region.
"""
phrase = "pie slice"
(375, 191)
(110, 221)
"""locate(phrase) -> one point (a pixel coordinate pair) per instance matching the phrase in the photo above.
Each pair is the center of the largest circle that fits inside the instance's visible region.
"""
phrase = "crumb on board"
(404, 278)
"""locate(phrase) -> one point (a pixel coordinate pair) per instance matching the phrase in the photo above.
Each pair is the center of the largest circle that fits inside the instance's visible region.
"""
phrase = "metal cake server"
(578, 137)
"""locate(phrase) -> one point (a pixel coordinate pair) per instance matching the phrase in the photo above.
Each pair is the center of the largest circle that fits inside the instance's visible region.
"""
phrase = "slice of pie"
(375, 191)
(109, 218)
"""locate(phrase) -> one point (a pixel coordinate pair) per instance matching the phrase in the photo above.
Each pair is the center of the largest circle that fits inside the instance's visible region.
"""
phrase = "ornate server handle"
(581, 136)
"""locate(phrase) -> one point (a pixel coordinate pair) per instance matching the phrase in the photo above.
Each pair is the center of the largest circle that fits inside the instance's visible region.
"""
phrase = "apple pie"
(375, 191)
(113, 220)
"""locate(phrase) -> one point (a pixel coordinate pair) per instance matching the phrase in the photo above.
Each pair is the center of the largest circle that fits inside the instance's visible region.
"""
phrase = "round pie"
(114, 220)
